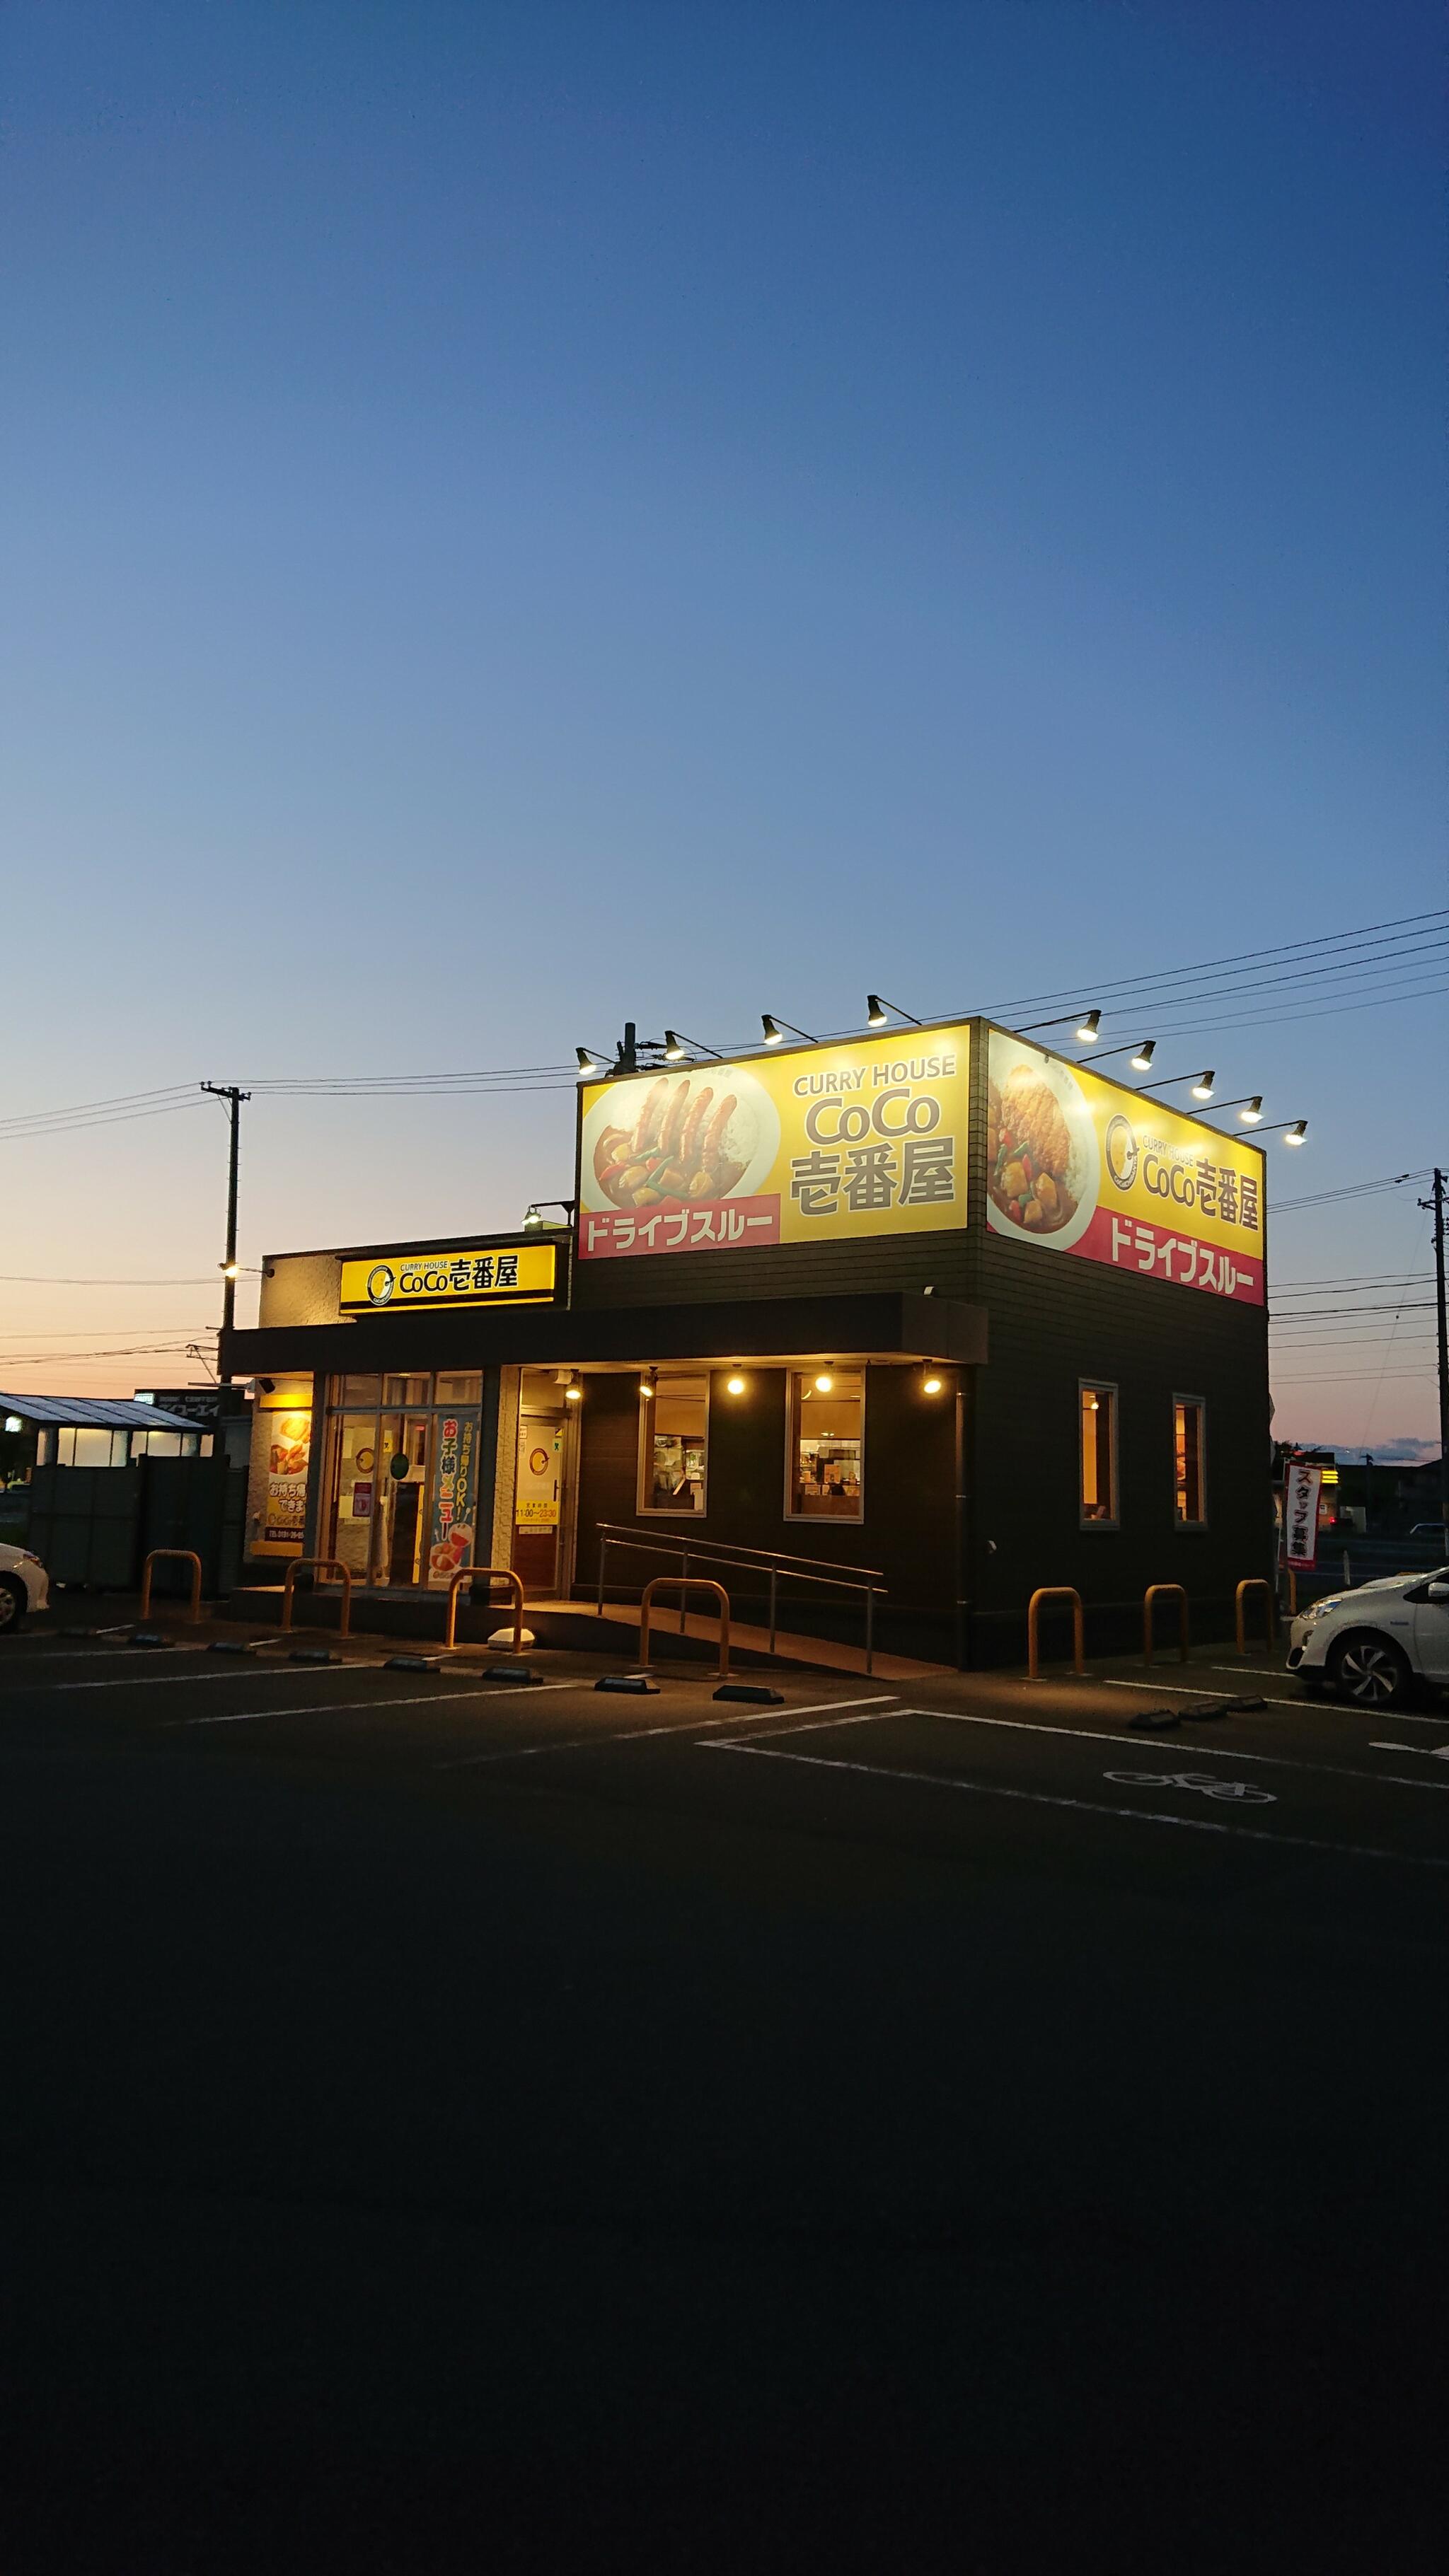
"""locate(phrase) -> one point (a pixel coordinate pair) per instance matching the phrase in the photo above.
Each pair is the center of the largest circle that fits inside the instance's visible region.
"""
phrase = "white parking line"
(637, 1734)
(1185, 1690)
(109, 1654)
(1082, 1806)
(446, 1698)
(223, 1673)
(1217, 1752)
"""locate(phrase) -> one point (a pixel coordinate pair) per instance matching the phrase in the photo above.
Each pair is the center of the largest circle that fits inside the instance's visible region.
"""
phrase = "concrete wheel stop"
(758, 1693)
(637, 1684)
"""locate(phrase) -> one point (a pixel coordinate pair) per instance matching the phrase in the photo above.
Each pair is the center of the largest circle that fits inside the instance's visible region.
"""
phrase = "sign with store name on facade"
(1085, 1166)
(485, 1275)
(813, 1145)
(1300, 1516)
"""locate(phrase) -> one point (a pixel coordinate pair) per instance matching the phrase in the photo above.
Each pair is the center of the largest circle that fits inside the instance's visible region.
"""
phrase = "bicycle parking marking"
(1202, 1781)
(1080, 1806)
(1209, 1752)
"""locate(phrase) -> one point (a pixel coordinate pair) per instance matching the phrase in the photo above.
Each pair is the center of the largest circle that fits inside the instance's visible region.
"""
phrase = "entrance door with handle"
(538, 1502)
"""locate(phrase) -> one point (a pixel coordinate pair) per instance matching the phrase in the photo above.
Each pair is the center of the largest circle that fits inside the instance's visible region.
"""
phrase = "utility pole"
(1436, 1203)
(228, 1092)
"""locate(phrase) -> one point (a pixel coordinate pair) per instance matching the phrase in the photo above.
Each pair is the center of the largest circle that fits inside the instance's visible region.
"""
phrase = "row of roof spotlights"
(878, 1016)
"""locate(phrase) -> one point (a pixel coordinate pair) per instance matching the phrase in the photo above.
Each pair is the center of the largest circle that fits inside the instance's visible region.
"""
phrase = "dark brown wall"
(912, 1261)
(1055, 1321)
(908, 1531)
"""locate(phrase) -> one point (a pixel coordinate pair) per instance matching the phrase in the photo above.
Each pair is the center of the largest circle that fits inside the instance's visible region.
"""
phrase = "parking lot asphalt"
(451, 2122)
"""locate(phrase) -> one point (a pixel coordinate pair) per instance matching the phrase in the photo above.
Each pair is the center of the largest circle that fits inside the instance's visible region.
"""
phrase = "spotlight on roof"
(1252, 1110)
(1202, 1089)
(1087, 1028)
(876, 1013)
(589, 1063)
(774, 1034)
(1296, 1132)
(1145, 1053)
(673, 1046)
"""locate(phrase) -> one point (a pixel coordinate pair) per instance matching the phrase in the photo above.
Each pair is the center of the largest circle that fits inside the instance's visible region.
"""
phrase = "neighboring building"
(92, 1431)
(933, 1305)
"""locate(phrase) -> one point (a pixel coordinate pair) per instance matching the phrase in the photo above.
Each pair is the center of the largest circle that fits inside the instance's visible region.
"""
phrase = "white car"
(1372, 1644)
(24, 1585)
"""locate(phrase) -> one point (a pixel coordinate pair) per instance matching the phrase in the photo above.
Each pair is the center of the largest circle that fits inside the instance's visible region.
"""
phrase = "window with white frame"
(1189, 1461)
(826, 1460)
(674, 1444)
(1098, 1451)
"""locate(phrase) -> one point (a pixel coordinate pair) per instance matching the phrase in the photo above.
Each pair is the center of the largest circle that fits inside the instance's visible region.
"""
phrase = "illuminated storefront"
(934, 1302)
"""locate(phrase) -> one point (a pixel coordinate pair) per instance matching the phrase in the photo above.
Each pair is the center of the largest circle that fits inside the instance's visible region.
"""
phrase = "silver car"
(1372, 1645)
(24, 1585)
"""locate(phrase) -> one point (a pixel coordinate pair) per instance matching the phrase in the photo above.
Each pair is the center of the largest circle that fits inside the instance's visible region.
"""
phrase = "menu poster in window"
(1081, 1165)
(454, 1498)
(808, 1146)
(284, 1511)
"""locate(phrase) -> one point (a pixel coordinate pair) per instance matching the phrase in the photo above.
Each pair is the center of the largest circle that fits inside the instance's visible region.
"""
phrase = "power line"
(1404, 921)
(1351, 1190)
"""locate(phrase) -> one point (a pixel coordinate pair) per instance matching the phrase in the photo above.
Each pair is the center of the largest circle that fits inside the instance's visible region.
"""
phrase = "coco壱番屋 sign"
(1090, 1167)
(808, 1145)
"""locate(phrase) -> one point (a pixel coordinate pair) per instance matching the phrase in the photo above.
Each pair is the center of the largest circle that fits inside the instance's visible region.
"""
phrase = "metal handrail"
(695, 1583)
(317, 1565)
(1254, 1583)
(1161, 1592)
(866, 1579)
(1054, 1592)
(190, 1557)
(617, 1533)
(489, 1574)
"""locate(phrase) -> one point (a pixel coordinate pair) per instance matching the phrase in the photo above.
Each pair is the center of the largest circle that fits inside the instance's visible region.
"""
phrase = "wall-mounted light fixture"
(775, 1030)
(734, 1385)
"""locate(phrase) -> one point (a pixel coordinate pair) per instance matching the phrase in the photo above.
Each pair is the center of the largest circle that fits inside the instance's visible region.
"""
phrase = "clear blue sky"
(517, 516)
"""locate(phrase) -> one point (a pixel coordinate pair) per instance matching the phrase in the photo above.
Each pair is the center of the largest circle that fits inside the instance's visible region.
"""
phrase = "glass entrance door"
(401, 1489)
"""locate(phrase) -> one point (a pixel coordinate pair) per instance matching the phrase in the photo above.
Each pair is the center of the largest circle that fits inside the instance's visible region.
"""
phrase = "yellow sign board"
(821, 1144)
(1090, 1167)
(481, 1275)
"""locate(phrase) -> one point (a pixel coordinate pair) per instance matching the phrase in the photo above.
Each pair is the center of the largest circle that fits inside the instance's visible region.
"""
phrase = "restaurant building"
(934, 1307)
